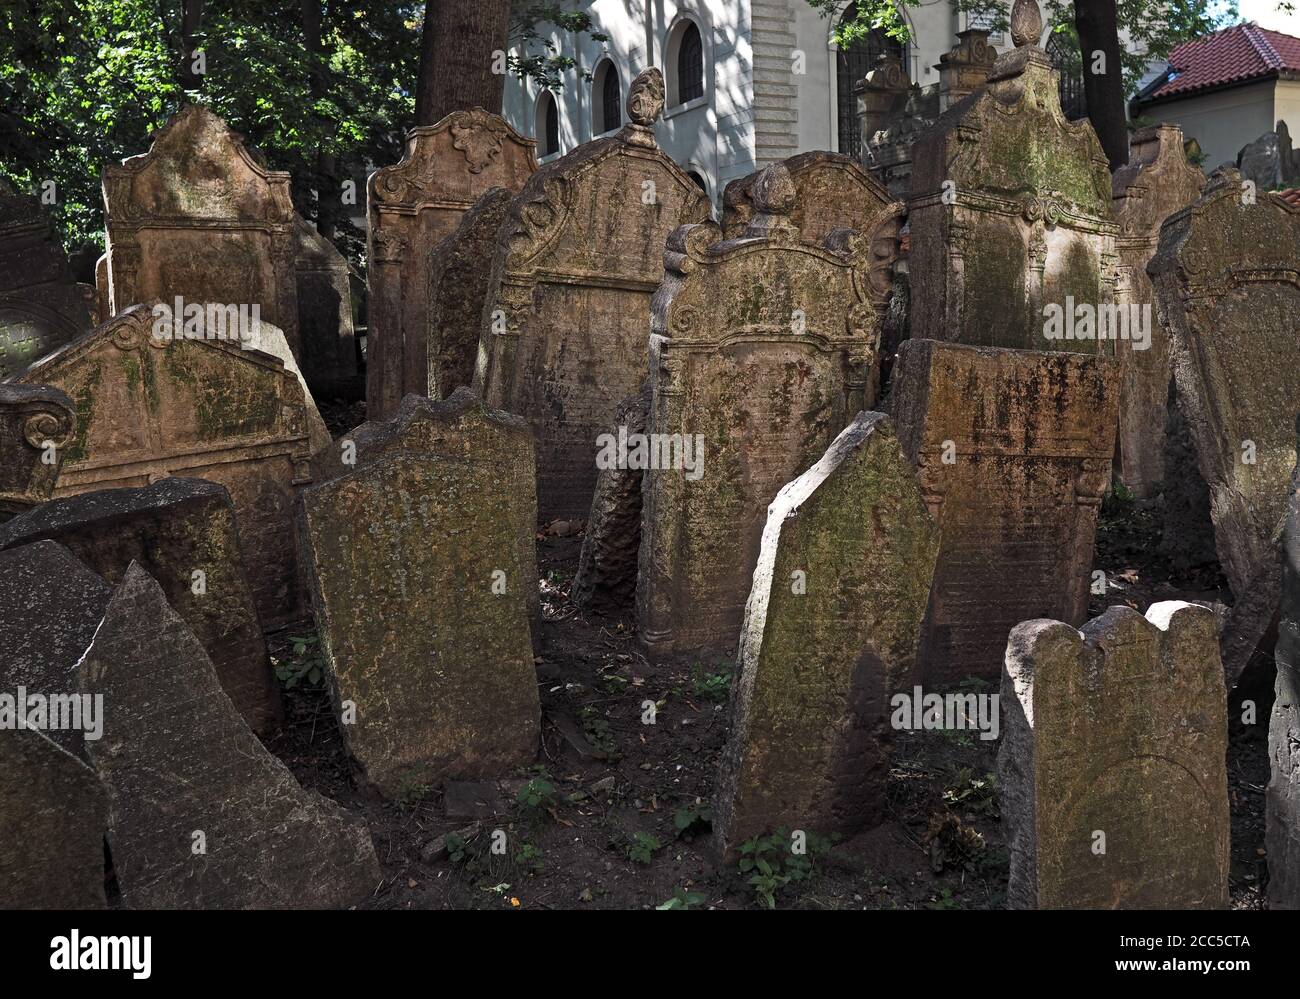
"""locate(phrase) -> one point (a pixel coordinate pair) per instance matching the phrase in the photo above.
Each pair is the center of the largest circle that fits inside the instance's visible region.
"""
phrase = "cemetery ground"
(615, 813)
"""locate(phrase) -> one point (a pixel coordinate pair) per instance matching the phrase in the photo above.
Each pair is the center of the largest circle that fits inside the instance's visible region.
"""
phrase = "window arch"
(852, 63)
(685, 62)
(548, 124)
(607, 98)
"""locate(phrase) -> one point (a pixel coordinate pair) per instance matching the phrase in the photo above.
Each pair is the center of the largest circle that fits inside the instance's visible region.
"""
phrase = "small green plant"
(537, 796)
(528, 858)
(772, 862)
(598, 733)
(692, 820)
(974, 794)
(306, 665)
(713, 686)
(682, 899)
(946, 900)
(641, 847)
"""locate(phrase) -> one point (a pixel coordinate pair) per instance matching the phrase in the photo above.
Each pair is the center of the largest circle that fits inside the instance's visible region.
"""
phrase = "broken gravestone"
(1114, 787)
(412, 206)
(416, 563)
(36, 423)
(762, 349)
(53, 812)
(1013, 449)
(564, 335)
(201, 816)
(845, 567)
(182, 532)
(329, 348)
(1156, 182)
(1269, 161)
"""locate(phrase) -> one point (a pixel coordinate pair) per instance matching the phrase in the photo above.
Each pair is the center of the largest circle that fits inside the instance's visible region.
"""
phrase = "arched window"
(852, 63)
(548, 124)
(690, 64)
(608, 94)
(1063, 50)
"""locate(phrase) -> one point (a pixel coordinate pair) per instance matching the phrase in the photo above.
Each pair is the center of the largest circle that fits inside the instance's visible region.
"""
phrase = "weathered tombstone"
(36, 423)
(415, 560)
(103, 310)
(201, 816)
(182, 531)
(1269, 161)
(1011, 213)
(1112, 773)
(1156, 182)
(201, 218)
(459, 277)
(762, 349)
(1282, 797)
(150, 406)
(329, 348)
(1013, 449)
(412, 206)
(575, 266)
(831, 192)
(41, 307)
(847, 557)
(53, 813)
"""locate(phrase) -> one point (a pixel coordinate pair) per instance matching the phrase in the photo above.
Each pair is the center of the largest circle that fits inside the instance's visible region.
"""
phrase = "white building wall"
(1222, 121)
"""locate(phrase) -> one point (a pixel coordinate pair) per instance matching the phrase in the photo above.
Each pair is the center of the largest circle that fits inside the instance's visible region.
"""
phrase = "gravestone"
(459, 278)
(1011, 212)
(199, 216)
(1114, 788)
(36, 423)
(1282, 797)
(1156, 182)
(576, 263)
(201, 816)
(1013, 450)
(174, 529)
(412, 206)
(103, 310)
(1270, 161)
(416, 563)
(831, 192)
(762, 349)
(329, 348)
(845, 567)
(41, 307)
(149, 406)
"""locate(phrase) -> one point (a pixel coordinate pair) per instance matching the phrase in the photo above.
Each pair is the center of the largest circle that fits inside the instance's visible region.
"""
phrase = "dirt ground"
(615, 813)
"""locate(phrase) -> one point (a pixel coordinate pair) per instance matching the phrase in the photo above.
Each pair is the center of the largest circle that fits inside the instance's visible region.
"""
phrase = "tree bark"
(327, 186)
(456, 57)
(1097, 23)
(191, 19)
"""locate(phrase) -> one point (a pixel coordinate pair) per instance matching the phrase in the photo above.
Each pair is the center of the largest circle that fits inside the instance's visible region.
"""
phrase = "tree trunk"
(327, 186)
(457, 55)
(191, 19)
(1097, 23)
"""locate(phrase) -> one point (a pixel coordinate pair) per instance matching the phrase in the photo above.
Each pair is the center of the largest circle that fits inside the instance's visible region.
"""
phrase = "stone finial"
(645, 98)
(1026, 23)
(774, 191)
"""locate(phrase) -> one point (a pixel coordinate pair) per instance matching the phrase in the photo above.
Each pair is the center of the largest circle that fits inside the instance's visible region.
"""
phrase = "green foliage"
(972, 793)
(692, 821)
(682, 899)
(537, 796)
(641, 847)
(541, 59)
(713, 686)
(772, 864)
(598, 733)
(307, 664)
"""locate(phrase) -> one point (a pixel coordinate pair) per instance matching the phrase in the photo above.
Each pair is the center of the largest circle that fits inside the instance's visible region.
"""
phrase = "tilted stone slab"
(830, 632)
(324, 294)
(1013, 449)
(412, 206)
(174, 529)
(36, 423)
(415, 563)
(201, 217)
(762, 350)
(575, 267)
(1112, 775)
(201, 816)
(149, 407)
(1156, 182)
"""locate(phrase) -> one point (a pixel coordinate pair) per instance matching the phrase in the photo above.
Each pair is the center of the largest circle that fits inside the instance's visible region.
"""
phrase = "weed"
(307, 664)
(682, 899)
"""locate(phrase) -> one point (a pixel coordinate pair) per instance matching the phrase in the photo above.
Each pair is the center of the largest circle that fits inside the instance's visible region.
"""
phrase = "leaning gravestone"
(1013, 449)
(831, 192)
(41, 307)
(412, 206)
(201, 816)
(847, 557)
(36, 423)
(53, 813)
(1282, 798)
(329, 348)
(1011, 211)
(181, 531)
(564, 338)
(761, 350)
(201, 218)
(459, 279)
(1156, 182)
(415, 559)
(150, 406)
(1114, 788)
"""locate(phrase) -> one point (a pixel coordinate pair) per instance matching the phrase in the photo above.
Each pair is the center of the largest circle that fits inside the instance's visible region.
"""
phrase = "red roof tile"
(1234, 55)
